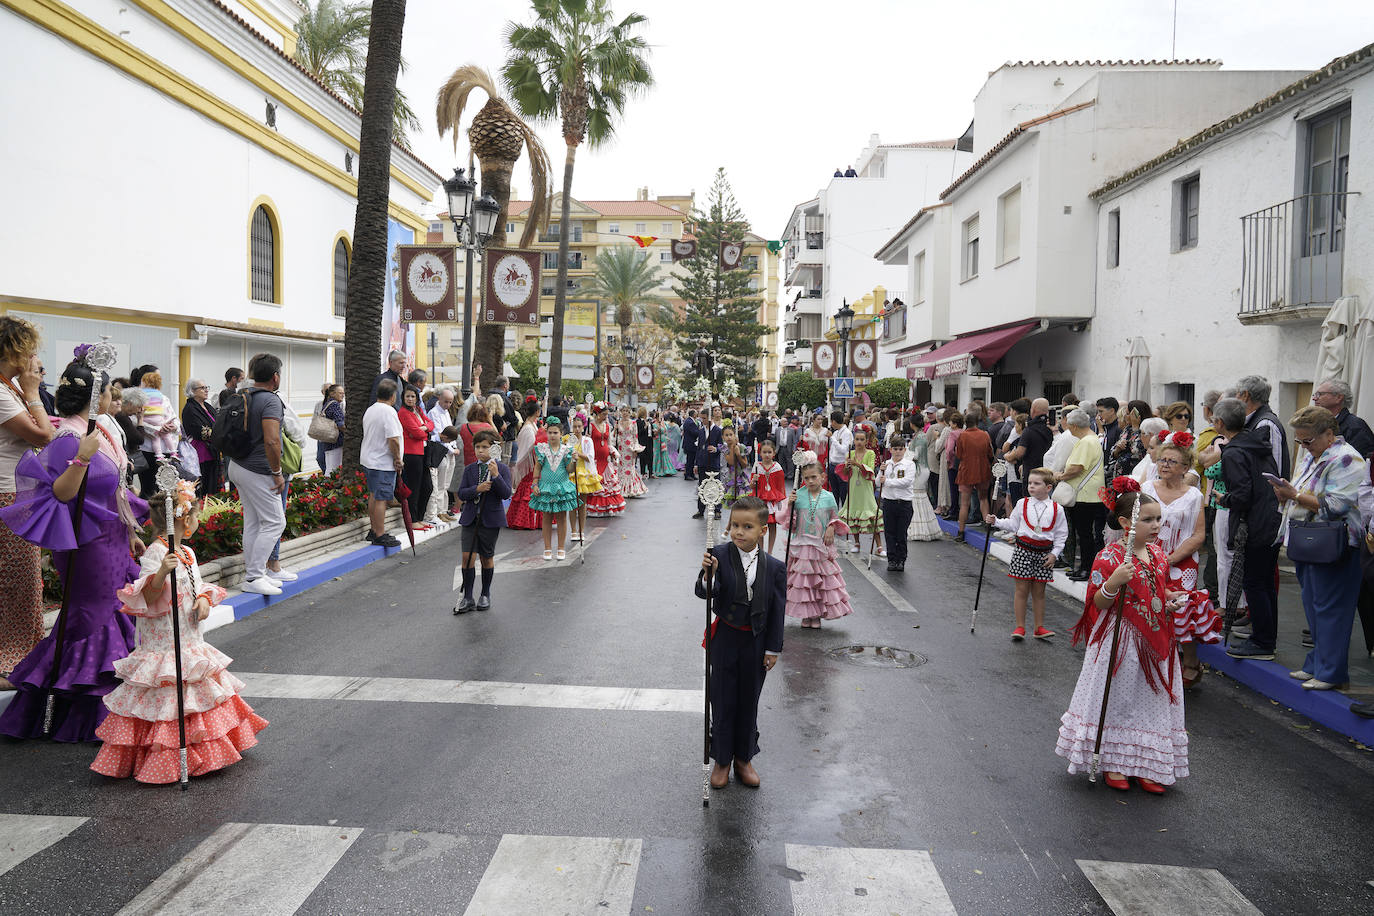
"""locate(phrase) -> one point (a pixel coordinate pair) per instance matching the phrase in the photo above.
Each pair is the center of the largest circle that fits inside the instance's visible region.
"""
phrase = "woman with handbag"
(327, 429)
(197, 421)
(1076, 489)
(415, 429)
(1324, 528)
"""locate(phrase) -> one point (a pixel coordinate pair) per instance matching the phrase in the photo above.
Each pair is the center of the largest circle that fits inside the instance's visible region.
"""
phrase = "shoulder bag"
(1067, 495)
(323, 429)
(1315, 541)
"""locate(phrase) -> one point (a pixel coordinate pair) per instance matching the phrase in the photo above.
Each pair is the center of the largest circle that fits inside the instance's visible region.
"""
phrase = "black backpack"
(230, 435)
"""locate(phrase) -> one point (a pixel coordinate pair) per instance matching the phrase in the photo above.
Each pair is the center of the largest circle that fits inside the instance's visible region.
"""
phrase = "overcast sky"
(780, 93)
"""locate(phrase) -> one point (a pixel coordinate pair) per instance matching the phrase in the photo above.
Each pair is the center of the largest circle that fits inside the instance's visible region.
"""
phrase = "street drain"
(878, 656)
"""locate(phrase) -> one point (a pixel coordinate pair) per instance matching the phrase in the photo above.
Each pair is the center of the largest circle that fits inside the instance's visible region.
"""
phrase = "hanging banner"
(644, 241)
(684, 249)
(863, 359)
(511, 286)
(775, 246)
(428, 288)
(644, 375)
(824, 358)
(731, 255)
(615, 376)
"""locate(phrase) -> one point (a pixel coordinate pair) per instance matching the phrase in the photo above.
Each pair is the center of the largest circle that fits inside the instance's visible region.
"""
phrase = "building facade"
(212, 179)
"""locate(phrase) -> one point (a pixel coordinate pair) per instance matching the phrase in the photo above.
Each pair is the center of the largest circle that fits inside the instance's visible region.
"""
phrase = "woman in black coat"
(197, 421)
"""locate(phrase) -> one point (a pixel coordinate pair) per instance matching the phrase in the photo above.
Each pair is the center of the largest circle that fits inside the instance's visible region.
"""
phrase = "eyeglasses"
(1324, 394)
(200, 388)
(1305, 442)
(1168, 462)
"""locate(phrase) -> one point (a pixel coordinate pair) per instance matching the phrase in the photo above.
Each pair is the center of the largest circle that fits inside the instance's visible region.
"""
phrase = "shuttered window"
(263, 257)
(340, 278)
(1009, 226)
(971, 248)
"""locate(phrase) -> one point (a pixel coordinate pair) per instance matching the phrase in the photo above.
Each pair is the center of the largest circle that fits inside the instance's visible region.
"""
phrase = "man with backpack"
(248, 431)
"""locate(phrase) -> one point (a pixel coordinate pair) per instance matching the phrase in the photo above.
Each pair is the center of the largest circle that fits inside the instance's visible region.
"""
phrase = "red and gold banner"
(644, 241)
(429, 291)
(511, 287)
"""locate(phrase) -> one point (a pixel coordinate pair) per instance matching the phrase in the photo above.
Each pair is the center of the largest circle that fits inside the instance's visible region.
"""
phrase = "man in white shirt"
(380, 457)
(442, 419)
(841, 441)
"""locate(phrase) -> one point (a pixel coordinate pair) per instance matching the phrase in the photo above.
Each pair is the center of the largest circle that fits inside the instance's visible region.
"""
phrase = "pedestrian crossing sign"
(844, 387)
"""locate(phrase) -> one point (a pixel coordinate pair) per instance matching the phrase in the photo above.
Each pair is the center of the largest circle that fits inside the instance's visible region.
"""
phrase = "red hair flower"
(1182, 438)
(1112, 491)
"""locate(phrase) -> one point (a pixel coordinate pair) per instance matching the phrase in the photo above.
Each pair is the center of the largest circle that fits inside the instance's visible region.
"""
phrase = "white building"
(830, 238)
(1008, 260)
(1227, 250)
(178, 182)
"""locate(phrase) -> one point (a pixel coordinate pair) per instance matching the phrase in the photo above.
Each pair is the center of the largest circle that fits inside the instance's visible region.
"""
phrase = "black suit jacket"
(770, 592)
(691, 432)
(493, 512)
(710, 461)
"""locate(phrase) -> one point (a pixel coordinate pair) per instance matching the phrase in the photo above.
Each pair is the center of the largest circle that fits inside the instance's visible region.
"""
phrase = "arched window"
(263, 264)
(340, 278)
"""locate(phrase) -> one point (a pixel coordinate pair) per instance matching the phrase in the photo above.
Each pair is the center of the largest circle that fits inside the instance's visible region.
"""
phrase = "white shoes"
(282, 575)
(262, 586)
(1314, 684)
(853, 548)
(1299, 675)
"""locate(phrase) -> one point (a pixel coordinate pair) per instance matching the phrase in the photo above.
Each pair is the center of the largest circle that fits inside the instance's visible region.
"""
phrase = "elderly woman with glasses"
(1326, 489)
(1083, 473)
(197, 421)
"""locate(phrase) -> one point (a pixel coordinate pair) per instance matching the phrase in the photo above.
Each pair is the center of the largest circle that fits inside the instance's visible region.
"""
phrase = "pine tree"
(719, 314)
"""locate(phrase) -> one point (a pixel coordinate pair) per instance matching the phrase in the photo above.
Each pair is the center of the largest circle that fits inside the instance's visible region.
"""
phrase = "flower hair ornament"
(1182, 438)
(1113, 491)
(183, 497)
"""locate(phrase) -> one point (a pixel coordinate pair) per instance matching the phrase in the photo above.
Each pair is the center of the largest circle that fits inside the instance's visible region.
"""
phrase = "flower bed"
(314, 504)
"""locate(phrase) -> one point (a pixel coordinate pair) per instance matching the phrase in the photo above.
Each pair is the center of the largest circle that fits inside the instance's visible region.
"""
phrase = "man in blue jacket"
(484, 489)
(691, 434)
(709, 446)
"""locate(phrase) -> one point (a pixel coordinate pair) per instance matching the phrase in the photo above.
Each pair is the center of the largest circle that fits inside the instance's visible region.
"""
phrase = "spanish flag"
(644, 241)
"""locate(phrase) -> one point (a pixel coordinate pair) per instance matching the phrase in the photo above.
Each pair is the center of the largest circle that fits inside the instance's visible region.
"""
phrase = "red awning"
(953, 357)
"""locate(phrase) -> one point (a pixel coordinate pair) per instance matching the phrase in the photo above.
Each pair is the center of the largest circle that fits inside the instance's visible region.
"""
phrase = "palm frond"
(453, 97)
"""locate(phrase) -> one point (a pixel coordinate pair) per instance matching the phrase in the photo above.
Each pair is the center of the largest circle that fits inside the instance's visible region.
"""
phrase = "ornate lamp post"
(479, 219)
(631, 372)
(844, 323)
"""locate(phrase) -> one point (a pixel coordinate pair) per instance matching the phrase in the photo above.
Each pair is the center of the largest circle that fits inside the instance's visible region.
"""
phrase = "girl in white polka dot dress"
(140, 733)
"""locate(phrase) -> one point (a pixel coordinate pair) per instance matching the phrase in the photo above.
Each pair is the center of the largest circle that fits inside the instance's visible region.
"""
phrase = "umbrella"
(1137, 385)
(1360, 370)
(1333, 350)
(1233, 582)
(402, 495)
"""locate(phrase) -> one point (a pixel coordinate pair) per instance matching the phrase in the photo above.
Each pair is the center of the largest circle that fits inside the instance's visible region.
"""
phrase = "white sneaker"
(262, 586)
(1298, 675)
(853, 548)
(282, 575)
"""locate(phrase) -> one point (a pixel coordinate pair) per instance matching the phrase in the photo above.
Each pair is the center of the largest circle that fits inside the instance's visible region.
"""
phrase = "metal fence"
(1292, 253)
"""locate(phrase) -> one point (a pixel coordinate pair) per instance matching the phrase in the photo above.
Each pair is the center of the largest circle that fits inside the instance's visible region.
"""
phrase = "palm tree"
(577, 64)
(332, 44)
(626, 278)
(367, 274)
(497, 136)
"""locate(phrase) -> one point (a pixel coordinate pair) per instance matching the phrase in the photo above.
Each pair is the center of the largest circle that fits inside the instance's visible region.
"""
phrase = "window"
(750, 263)
(1009, 226)
(455, 339)
(263, 256)
(1114, 237)
(641, 228)
(1188, 198)
(664, 257)
(808, 327)
(970, 266)
(666, 229)
(340, 278)
(613, 228)
(753, 287)
(1328, 169)
(510, 230)
(550, 263)
(918, 278)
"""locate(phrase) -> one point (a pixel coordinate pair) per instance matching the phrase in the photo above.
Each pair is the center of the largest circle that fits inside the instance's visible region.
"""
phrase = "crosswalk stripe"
(887, 591)
(258, 869)
(1132, 889)
(538, 875)
(23, 835)
(482, 693)
(859, 882)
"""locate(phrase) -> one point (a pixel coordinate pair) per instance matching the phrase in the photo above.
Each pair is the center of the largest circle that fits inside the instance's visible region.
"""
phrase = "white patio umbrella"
(1334, 348)
(1137, 386)
(1360, 369)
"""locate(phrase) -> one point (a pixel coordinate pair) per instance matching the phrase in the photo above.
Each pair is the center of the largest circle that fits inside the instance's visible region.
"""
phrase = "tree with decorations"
(721, 311)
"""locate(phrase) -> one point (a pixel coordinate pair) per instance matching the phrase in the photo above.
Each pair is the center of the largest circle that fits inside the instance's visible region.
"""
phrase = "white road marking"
(1131, 889)
(539, 875)
(258, 869)
(481, 693)
(23, 835)
(859, 882)
(506, 564)
(881, 585)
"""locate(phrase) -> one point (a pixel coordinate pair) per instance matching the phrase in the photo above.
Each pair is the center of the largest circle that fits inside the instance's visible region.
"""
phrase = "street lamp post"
(844, 323)
(763, 380)
(631, 372)
(479, 219)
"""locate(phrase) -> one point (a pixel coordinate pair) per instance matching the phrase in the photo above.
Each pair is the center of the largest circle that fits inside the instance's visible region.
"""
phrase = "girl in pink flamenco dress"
(140, 732)
(815, 587)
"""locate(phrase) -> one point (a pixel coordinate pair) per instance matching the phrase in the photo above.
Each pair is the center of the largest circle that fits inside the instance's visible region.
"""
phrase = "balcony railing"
(1292, 257)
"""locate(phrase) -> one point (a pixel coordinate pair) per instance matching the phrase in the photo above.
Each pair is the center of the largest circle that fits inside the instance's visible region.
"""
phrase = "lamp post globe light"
(479, 218)
(631, 371)
(844, 323)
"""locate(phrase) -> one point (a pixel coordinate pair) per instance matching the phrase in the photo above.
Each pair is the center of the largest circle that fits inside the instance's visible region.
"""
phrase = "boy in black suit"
(749, 589)
(486, 483)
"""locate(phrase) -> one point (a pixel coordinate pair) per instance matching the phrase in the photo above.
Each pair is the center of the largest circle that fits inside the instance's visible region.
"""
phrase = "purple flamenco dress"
(97, 635)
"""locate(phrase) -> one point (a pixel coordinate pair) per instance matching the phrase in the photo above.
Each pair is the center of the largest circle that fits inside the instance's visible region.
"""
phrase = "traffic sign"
(844, 387)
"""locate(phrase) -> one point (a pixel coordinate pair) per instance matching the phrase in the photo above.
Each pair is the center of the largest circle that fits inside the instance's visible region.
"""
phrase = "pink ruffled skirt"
(815, 587)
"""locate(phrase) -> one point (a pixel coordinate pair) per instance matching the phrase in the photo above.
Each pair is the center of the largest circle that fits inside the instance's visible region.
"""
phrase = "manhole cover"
(878, 656)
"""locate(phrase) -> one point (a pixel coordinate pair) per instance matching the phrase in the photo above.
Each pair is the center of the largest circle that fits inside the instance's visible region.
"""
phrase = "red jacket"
(415, 430)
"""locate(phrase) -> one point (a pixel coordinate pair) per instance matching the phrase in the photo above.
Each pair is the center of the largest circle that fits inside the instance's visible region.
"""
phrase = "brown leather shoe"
(746, 774)
(720, 776)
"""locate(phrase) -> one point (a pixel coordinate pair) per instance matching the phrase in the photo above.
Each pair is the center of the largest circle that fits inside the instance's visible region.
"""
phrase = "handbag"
(1316, 541)
(1066, 495)
(290, 456)
(189, 457)
(323, 429)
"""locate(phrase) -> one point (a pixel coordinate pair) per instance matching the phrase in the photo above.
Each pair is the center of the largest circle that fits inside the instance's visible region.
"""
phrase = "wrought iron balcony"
(1292, 258)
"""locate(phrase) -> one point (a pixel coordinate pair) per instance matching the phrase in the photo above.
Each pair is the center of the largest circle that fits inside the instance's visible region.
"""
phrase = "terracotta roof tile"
(1112, 63)
(1015, 132)
(645, 208)
(924, 144)
(909, 223)
(1363, 57)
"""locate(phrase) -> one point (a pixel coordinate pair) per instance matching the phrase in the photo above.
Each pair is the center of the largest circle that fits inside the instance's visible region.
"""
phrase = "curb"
(1328, 708)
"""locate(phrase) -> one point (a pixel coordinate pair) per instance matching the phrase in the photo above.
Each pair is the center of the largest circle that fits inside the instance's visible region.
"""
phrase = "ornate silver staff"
(1120, 605)
(167, 478)
(99, 358)
(710, 492)
(999, 470)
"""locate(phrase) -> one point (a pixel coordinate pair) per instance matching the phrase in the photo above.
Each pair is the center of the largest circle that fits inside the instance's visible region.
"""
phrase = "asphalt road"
(924, 789)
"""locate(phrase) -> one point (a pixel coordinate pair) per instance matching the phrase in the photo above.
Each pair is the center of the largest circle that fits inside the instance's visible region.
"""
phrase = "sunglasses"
(1305, 442)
